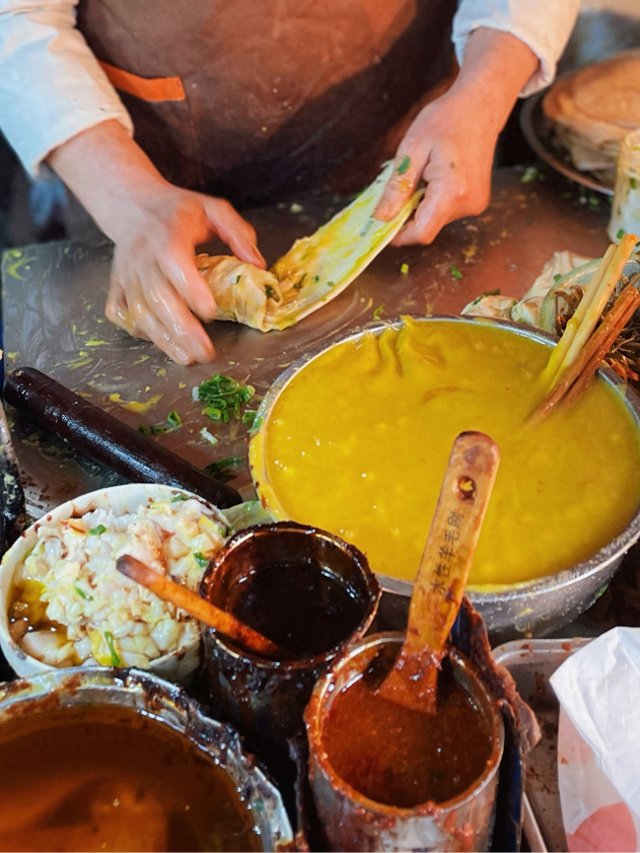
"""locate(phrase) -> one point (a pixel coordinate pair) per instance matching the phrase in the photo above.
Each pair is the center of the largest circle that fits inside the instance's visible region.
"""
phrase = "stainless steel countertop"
(54, 294)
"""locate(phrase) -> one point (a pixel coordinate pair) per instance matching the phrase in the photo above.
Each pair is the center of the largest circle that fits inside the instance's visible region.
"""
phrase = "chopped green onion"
(201, 560)
(208, 436)
(620, 233)
(404, 165)
(82, 593)
(174, 419)
(116, 660)
(530, 174)
(223, 397)
(379, 311)
(225, 469)
(178, 498)
(455, 272)
(153, 429)
(96, 531)
(404, 269)
(633, 183)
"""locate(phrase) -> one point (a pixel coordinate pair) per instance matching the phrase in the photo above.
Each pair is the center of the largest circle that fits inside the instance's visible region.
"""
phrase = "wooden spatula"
(446, 559)
(223, 622)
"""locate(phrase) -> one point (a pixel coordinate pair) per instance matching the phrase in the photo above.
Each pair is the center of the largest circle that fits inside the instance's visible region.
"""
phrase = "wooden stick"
(590, 308)
(223, 622)
(610, 331)
(554, 365)
(444, 568)
(591, 355)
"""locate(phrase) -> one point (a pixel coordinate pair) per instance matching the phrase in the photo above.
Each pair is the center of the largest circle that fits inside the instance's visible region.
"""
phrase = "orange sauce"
(401, 757)
(106, 778)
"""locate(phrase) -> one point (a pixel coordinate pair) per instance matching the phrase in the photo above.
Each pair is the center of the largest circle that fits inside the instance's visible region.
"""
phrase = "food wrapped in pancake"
(243, 292)
(592, 109)
(314, 271)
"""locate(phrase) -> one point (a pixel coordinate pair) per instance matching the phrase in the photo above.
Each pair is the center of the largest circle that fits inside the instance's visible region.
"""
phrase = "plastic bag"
(599, 743)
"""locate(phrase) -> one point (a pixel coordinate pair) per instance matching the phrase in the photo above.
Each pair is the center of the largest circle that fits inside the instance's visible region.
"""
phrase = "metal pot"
(535, 607)
(266, 698)
(170, 706)
(354, 822)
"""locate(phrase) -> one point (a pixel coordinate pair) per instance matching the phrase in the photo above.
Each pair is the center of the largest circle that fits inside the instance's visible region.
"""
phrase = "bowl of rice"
(63, 602)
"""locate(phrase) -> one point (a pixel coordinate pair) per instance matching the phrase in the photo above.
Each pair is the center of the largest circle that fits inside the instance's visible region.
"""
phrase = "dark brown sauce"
(303, 609)
(106, 778)
(401, 757)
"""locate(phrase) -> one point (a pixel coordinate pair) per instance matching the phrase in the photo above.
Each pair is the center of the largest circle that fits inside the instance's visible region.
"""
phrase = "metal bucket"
(266, 698)
(354, 822)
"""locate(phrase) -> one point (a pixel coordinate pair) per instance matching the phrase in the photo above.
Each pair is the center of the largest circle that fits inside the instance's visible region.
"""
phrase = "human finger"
(236, 232)
(178, 265)
(399, 188)
(161, 313)
(432, 214)
(116, 310)
(128, 307)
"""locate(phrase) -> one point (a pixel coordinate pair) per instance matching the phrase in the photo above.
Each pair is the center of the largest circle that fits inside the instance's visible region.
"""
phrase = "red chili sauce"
(401, 757)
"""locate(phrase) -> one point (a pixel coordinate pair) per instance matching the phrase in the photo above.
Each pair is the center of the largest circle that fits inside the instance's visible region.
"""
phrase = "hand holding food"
(452, 154)
(156, 291)
(314, 271)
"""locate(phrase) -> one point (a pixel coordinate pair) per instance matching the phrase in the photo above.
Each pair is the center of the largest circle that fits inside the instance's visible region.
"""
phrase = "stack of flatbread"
(592, 109)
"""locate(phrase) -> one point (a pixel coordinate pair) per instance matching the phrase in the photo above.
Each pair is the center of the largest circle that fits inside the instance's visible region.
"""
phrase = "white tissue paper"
(599, 743)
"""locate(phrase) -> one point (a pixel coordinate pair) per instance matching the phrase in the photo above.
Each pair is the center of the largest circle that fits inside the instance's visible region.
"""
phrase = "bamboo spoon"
(444, 567)
(223, 622)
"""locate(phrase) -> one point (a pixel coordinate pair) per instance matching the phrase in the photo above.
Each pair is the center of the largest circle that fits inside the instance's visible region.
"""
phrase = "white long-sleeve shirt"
(52, 87)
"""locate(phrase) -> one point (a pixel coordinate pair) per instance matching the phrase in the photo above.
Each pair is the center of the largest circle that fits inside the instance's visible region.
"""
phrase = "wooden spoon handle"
(223, 622)
(451, 543)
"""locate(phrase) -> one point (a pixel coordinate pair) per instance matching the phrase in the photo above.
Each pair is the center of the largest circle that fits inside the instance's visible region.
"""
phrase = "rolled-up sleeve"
(543, 25)
(51, 85)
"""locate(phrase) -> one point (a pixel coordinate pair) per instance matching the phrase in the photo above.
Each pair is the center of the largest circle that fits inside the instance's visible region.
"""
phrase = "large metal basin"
(171, 708)
(536, 607)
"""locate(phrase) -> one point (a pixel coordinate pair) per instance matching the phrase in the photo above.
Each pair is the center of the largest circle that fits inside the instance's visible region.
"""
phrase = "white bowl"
(174, 666)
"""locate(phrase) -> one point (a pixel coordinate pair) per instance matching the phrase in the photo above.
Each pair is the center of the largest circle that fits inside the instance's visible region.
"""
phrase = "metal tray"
(531, 664)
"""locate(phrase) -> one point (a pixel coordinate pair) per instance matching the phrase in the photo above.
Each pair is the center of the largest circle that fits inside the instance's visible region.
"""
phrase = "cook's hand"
(453, 155)
(156, 291)
(450, 145)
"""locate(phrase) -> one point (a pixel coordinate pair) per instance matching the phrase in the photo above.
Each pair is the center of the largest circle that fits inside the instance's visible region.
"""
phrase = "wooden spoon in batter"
(443, 572)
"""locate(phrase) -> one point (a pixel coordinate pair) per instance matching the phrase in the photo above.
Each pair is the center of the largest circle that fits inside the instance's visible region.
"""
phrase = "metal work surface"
(54, 294)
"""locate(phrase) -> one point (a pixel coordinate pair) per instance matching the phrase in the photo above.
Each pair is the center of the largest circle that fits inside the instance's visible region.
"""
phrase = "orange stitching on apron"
(147, 88)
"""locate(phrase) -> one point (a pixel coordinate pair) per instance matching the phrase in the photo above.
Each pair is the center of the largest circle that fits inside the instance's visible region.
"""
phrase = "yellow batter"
(358, 440)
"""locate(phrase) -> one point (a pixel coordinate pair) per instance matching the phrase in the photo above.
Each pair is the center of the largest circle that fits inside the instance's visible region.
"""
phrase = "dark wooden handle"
(107, 440)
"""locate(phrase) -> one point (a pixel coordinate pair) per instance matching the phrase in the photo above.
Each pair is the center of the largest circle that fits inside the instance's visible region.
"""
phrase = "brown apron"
(255, 100)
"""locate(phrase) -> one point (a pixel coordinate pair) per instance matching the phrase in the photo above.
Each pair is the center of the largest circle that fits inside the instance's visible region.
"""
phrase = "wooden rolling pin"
(107, 440)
